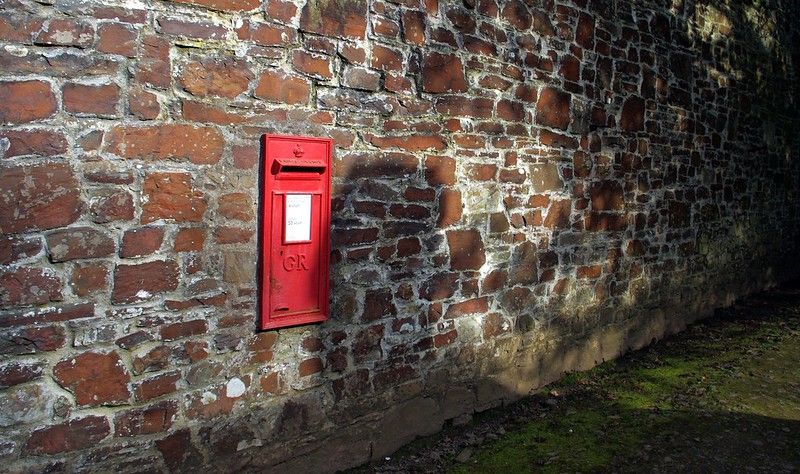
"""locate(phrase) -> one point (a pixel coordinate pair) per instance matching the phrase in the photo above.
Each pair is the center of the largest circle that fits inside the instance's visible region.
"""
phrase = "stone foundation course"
(521, 189)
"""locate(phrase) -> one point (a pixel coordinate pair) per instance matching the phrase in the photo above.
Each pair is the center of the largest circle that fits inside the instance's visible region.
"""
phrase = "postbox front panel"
(295, 231)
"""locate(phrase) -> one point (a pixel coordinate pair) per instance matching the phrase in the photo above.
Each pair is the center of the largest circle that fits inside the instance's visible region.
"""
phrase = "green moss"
(722, 388)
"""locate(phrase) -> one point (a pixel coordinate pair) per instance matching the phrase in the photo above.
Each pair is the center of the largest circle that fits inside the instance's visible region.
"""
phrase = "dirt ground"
(723, 396)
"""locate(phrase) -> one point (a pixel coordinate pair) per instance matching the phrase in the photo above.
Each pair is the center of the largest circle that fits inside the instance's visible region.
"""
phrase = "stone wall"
(521, 188)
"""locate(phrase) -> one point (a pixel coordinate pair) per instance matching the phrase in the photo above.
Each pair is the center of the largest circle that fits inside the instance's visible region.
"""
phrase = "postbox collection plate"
(295, 230)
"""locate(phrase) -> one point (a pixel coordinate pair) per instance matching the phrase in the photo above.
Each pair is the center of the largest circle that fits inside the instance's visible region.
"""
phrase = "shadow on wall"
(454, 292)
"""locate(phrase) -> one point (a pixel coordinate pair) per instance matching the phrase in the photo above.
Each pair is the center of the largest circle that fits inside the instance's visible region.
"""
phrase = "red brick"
(64, 64)
(526, 93)
(386, 59)
(312, 64)
(599, 222)
(192, 29)
(19, 28)
(207, 113)
(445, 339)
(116, 38)
(141, 241)
(475, 305)
(210, 76)
(262, 342)
(443, 73)
(553, 108)
(66, 32)
(367, 341)
(516, 13)
(148, 420)
(408, 246)
(281, 10)
(413, 193)
(26, 286)
(511, 110)
(157, 386)
(31, 340)
(378, 304)
(589, 271)
(72, 435)
(124, 15)
(410, 143)
(26, 101)
(107, 173)
(494, 281)
(49, 314)
(15, 373)
(469, 141)
(457, 105)
(132, 340)
(95, 378)
(337, 19)
(91, 140)
(170, 196)
(236, 206)
(466, 249)
(88, 279)
(141, 282)
(175, 331)
(154, 66)
(558, 216)
(414, 27)
(14, 248)
(440, 170)
(79, 243)
(482, 172)
(190, 239)
(276, 86)
(310, 367)
(232, 235)
(271, 383)
(267, 34)
(557, 140)
(439, 286)
(143, 104)
(110, 205)
(353, 54)
(200, 407)
(450, 208)
(34, 142)
(385, 27)
(245, 157)
(584, 33)
(177, 142)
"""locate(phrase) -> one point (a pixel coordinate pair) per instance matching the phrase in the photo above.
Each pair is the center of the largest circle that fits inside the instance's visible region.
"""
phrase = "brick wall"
(520, 189)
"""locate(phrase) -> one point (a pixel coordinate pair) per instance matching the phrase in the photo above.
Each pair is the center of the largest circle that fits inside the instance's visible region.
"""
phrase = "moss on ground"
(724, 396)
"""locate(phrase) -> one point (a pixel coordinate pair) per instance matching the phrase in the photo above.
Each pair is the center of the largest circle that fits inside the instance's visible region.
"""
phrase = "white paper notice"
(298, 218)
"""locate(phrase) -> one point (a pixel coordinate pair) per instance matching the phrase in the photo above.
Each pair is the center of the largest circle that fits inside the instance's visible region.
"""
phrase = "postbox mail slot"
(295, 233)
(299, 166)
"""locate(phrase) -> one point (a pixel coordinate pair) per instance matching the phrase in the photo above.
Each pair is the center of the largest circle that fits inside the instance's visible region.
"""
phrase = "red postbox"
(295, 232)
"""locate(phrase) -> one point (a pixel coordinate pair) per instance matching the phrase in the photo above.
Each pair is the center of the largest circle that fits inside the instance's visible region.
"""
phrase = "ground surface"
(723, 396)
